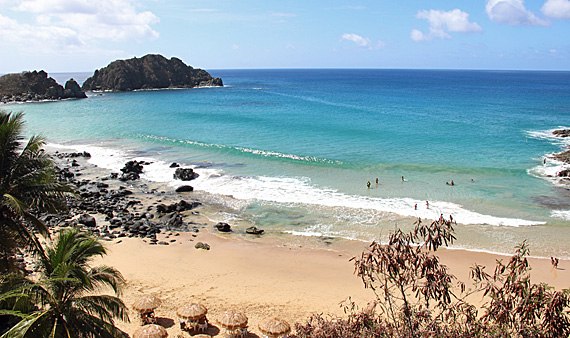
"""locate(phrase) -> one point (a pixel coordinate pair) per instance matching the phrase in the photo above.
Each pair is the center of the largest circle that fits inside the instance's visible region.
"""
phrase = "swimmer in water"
(427, 204)
(368, 184)
(376, 180)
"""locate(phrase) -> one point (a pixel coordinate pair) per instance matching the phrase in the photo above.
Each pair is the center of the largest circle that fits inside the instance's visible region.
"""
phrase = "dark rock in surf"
(223, 227)
(185, 174)
(561, 133)
(254, 231)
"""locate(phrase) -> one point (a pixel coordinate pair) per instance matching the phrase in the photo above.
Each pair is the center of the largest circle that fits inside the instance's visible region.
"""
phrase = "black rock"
(223, 227)
(185, 188)
(174, 165)
(133, 167)
(254, 231)
(87, 220)
(185, 174)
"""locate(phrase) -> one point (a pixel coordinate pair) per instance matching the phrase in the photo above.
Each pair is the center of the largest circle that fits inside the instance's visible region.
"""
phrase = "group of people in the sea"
(368, 184)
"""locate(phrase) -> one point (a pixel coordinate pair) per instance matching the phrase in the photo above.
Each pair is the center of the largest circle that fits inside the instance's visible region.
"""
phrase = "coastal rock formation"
(562, 133)
(36, 86)
(149, 72)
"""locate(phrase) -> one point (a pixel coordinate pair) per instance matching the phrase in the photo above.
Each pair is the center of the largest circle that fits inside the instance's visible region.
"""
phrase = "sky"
(84, 35)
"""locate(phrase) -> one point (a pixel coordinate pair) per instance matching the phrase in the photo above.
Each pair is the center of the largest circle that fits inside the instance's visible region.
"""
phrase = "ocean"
(291, 150)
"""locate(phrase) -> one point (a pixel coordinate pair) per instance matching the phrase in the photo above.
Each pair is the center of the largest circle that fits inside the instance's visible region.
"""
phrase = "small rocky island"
(149, 72)
(36, 86)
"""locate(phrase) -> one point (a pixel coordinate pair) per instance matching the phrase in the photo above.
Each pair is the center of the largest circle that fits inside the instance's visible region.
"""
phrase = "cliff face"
(148, 72)
(36, 86)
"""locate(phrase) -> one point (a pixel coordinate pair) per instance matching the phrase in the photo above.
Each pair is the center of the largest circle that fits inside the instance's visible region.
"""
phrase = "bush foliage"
(416, 296)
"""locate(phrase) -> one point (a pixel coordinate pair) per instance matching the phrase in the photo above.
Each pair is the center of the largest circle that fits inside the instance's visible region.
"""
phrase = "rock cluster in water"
(563, 156)
(149, 72)
(36, 86)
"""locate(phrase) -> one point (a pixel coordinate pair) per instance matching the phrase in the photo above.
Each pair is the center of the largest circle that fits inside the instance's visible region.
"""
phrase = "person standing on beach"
(427, 204)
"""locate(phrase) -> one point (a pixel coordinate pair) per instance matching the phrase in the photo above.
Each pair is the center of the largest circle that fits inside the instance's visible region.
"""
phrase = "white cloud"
(362, 41)
(512, 12)
(417, 35)
(117, 20)
(442, 22)
(41, 38)
(557, 9)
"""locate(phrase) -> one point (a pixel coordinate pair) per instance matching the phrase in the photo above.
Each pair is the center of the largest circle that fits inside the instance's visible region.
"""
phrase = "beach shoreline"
(259, 277)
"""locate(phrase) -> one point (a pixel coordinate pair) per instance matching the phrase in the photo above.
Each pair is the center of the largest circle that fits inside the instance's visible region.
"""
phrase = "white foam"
(300, 190)
(562, 214)
(548, 135)
(292, 190)
(549, 167)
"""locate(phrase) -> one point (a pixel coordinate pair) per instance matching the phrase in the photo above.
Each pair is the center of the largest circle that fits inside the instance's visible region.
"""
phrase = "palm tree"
(66, 306)
(26, 183)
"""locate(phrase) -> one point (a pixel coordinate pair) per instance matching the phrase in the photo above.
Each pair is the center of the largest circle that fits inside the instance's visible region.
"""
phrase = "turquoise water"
(291, 150)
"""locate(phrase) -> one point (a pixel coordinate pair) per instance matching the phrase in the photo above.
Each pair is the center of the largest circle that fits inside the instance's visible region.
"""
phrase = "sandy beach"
(259, 277)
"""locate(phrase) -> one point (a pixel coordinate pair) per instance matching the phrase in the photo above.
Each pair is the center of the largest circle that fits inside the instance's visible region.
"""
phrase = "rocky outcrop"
(561, 133)
(36, 86)
(149, 72)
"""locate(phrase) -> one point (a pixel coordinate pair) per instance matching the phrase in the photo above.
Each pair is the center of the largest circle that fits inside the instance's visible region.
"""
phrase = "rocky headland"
(149, 72)
(36, 86)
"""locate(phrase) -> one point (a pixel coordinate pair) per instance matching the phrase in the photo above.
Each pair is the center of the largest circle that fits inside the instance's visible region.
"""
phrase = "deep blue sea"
(291, 151)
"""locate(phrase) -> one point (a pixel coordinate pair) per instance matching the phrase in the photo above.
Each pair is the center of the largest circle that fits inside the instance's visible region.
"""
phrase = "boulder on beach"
(87, 220)
(185, 188)
(149, 72)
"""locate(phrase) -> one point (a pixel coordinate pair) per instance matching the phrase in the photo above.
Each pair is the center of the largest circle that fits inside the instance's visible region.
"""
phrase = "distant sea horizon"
(292, 150)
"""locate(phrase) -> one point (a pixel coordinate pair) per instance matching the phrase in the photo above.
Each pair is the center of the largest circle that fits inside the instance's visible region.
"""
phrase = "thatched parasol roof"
(151, 331)
(274, 327)
(232, 320)
(192, 311)
(146, 303)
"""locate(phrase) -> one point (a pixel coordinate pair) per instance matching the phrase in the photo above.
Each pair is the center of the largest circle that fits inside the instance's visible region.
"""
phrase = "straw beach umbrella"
(274, 327)
(193, 311)
(151, 331)
(146, 304)
(232, 320)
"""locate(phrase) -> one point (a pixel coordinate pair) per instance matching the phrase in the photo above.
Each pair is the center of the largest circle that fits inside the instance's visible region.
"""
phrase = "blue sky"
(83, 35)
